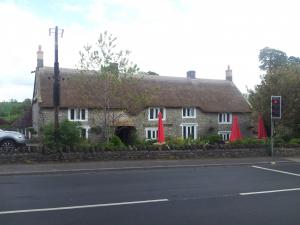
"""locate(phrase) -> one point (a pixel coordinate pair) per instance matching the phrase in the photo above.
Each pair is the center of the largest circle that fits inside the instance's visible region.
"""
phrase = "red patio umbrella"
(161, 133)
(262, 134)
(235, 130)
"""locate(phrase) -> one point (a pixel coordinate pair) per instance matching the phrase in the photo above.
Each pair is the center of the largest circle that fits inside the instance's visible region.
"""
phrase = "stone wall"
(207, 122)
(35, 155)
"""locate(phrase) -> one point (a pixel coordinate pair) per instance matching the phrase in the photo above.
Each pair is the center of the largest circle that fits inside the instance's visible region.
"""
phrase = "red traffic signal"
(276, 107)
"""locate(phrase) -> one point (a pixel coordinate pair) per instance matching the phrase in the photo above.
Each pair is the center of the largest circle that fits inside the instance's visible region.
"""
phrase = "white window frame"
(187, 111)
(76, 110)
(224, 118)
(155, 116)
(154, 133)
(224, 134)
(195, 125)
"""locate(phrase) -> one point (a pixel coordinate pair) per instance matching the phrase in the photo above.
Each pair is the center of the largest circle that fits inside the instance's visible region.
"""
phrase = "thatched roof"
(85, 89)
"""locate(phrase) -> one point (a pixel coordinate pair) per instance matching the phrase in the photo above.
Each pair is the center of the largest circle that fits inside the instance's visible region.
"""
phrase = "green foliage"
(68, 135)
(213, 139)
(175, 141)
(279, 140)
(249, 141)
(116, 141)
(282, 78)
(114, 68)
(294, 141)
(12, 110)
(104, 55)
(180, 142)
(271, 59)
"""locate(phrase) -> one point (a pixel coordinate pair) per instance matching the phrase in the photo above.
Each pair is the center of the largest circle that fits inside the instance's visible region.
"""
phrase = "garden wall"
(36, 154)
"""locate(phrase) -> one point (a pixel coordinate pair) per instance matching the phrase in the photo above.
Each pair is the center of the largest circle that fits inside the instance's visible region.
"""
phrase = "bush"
(67, 135)
(175, 141)
(279, 140)
(249, 141)
(116, 141)
(294, 141)
(214, 139)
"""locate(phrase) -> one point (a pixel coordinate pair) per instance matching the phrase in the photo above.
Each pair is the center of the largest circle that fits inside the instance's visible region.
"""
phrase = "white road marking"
(82, 206)
(267, 192)
(278, 171)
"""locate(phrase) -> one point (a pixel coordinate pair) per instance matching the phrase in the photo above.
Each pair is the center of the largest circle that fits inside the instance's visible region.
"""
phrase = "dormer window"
(189, 112)
(153, 113)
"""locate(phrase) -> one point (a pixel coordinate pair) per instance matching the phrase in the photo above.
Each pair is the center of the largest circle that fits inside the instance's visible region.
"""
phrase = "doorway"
(126, 134)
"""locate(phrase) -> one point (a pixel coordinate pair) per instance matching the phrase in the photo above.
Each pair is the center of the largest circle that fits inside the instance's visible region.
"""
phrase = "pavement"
(72, 167)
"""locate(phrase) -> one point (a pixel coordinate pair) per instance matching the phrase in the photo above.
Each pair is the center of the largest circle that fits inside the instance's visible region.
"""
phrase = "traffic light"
(276, 107)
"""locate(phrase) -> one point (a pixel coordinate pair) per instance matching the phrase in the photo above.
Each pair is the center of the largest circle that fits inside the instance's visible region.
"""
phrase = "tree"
(271, 59)
(116, 72)
(280, 79)
(104, 55)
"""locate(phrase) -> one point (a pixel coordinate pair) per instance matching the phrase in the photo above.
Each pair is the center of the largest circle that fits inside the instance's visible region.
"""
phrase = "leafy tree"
(271, 59)
(283, 81)
(104, 55)
(116, 72)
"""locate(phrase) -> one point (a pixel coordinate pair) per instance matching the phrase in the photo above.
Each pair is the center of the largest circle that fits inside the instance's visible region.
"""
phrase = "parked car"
(11, 139)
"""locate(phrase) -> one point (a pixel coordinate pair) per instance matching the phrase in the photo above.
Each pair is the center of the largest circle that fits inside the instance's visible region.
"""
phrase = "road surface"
(249, 194)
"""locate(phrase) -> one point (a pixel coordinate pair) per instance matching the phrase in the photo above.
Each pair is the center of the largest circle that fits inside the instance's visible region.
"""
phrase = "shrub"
(175, 141)
(68, 134)
(249, 141)
(214, 139)
(116, 141)
(294, 141)
(279, 140)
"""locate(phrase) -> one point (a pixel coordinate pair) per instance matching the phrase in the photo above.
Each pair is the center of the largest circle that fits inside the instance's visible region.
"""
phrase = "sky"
(168, 37)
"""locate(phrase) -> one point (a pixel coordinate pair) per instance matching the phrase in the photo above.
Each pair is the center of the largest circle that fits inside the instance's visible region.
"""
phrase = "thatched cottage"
(191, 107)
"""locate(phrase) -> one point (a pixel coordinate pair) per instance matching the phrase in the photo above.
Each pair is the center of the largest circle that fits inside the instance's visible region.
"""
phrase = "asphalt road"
(241, 195)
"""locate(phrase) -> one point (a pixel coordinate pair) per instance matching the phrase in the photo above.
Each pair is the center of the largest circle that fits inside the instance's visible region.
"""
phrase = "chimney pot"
(228, 73)
(40, 57)
(191, 74)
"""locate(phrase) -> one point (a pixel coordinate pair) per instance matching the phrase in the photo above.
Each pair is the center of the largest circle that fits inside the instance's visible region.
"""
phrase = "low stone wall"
(92, 155)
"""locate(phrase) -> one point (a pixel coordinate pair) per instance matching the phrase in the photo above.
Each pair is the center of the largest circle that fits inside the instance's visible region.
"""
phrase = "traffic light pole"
(275, 115)
(272, 137)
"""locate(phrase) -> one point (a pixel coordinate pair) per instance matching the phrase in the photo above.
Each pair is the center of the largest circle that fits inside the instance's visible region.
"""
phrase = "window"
(225, 118)
(225, 135)
(189, 131)
(151, 133)
(153, 113)
(189, 112)
(78, 114)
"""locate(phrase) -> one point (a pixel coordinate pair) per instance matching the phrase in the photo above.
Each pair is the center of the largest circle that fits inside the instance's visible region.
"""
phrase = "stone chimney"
(191, 74)
(40, 58)
(228, 73)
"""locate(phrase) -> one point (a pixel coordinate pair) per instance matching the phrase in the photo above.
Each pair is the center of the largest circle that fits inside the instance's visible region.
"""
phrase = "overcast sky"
(168, 37)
